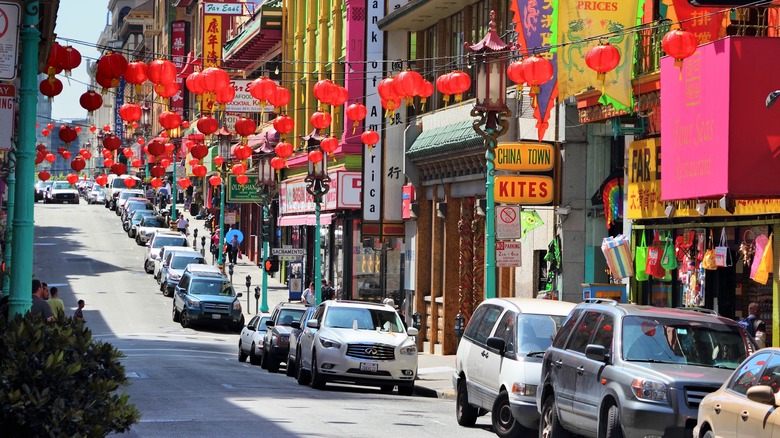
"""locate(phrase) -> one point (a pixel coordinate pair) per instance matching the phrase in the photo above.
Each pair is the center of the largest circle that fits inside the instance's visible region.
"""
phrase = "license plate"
(370, 367)
(216, 316)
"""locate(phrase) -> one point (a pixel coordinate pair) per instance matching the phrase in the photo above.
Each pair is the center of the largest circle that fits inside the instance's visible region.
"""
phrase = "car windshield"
(536, 332)
(364, 319)
(668, 340)
(181, 261)
(161, 241)
(211, 287)
(61, 185)
(120, 183)
(135, 205)
(288, 316)
(140, 214)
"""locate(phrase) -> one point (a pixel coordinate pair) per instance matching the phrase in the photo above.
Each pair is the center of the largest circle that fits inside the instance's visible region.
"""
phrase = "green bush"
(55, 380)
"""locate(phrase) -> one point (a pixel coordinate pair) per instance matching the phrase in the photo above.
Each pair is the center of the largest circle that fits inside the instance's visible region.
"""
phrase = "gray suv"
(617, 370)
(205, 295)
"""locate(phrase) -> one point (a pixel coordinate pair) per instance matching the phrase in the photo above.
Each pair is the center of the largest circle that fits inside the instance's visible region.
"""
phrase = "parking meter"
(460, 325)
(257, 295)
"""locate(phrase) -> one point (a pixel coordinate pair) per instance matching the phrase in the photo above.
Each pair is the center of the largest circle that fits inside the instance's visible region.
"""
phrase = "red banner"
(705, 23)
(178, 50)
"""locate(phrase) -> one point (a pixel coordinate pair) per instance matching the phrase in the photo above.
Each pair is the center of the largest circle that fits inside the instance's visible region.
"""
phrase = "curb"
(422, 391)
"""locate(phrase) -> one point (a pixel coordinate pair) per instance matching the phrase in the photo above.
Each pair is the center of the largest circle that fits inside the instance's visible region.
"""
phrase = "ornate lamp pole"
(317, 184)
(223, 136)
(175, 136)
(489, 57)
(146, 114)
(267, 189)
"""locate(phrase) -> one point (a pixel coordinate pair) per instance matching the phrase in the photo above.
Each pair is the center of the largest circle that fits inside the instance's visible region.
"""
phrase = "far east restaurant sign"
(533, 179)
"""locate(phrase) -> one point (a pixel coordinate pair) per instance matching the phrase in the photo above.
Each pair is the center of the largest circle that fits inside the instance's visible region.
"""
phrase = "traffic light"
(266, 231)
(271, 264)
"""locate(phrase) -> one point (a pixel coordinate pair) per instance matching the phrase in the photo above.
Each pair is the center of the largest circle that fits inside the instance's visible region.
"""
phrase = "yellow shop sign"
(525, 157)
(523, 189)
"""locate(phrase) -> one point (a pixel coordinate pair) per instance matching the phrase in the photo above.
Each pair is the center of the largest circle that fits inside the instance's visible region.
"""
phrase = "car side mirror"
(251, 327)
(313, 323)
(164, 265)
(270, 323)
(239, 295)
(295, 325)
(411, 331)
(596, 352)
(761, 394)
(496, 344)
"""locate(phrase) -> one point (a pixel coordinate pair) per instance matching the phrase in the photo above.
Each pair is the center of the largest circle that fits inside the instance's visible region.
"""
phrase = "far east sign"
(532, 179)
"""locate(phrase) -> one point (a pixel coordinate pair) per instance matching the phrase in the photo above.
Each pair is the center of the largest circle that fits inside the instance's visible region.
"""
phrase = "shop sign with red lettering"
(508, 254)
(7, 110)
(523, 189)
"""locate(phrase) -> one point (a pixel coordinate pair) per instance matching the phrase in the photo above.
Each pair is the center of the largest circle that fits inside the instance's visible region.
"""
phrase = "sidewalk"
(434, 373)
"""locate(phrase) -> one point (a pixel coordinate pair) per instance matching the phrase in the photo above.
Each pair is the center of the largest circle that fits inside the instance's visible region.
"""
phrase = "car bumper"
(655, 420)
(336, 366)
(525, 412)
(212, 317)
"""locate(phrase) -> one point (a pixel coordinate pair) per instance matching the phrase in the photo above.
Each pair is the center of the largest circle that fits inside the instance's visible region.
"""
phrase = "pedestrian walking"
(78, 315)
(309, 295)
(233, 250)
(56, 304)
(328, 293)
(183, 225)
(39, 304)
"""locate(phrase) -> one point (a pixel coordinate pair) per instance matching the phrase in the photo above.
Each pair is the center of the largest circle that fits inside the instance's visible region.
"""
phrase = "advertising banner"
(178, 51)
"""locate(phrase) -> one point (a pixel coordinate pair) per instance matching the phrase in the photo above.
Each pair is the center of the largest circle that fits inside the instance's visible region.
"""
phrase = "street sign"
(525, 157)
(288, 252)
(508, 222)
(242, 194)
(508, 254)
(9, 40)
(7, 96)
(523, 189)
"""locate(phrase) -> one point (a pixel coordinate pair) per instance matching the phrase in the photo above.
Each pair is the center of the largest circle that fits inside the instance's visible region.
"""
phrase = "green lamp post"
(489, 58)
(175, 137)
(223, 136)
(317, 185)
(267, 188)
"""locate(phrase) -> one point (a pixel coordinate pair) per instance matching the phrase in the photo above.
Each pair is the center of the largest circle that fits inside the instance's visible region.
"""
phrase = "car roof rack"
(600, 301)
(700, 310)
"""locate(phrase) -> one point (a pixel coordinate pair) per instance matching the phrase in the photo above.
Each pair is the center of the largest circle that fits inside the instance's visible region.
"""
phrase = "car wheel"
(465, 413)
(549, 425)
(406, 390)
(167, 292)
(185, 320)
(146, 268)
(612, 428)
(504, 424)
(709, 434)
(237, 326)
(138, 241)
(264, 360)
(301, 375)
(317, 379)
(387, 388)
(253, 359)
(290, 371)
(176, 316)
(241, 354)
(273, 364)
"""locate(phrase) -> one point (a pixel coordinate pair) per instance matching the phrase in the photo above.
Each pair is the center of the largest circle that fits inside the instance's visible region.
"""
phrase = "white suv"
(156, 242)
(499, 362)
(360, 343)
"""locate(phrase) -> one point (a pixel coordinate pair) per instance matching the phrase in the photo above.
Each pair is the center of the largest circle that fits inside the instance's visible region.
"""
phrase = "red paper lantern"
(165, 162)
(225, 95)
(245, 127)
(215, 180)
(184, 182)
(263, 89)
(537, 71)
(67, 134)
(66, 155)
(108, 162)
(119, 168)
(169, 147)
(239, 169)
(356, 112)
(92, 129)
(315, 156)
(156, 182)
(325, 91)
(127, 152)
(45, 132)
(72, 178)
(77, 129)
(369, 138)
(185, 124)
(91, 101)
(111, 66)
(141, 141)
(284, 124)
(44, 175)
(71, 59)
(157, 171)
(155, 147)
(219, 160)
(385, 89)
(78, 164)
(278, 163)
(320, 120)
(426, 90)
(130, 112)
(50, 157)
(679, 44)
(166, 90)
(407, 84)
(199, 170)
(284, 149)
(242, 152)
(459, 83)
(169, 120)
(39, 157)
(242, 179)
(207, 125)
(515, 72)
(106, 127)
(214, 78)
(136, 72)
(40, 147)
(112, 142)
(391, 105)
(130, 182)
(193, 161)
(443, 85)
(50, 87)
(85, 154)
(56, 58)
(106, 153)
(602, 58)
(199, 151)
(281, 97)
(329, 144)
(194, 83)
(50, 126)
(161, 71)
(105, 81)
(137, 162)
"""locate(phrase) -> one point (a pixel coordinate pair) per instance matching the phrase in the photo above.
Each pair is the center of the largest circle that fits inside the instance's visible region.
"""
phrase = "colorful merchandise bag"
(722, 257)
(760, 242)
(654, 253)
(617, 252)
(669, 259)
(708, 262)
(640, 260)
(765, 266)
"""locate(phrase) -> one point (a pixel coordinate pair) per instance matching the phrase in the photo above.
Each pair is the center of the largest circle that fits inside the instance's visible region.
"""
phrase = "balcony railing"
(648, 51)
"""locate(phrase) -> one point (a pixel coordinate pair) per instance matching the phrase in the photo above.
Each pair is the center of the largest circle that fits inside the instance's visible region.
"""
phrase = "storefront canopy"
(304, 219)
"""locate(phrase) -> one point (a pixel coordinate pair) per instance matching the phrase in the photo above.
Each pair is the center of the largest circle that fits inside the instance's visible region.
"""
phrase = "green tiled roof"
(445, 139)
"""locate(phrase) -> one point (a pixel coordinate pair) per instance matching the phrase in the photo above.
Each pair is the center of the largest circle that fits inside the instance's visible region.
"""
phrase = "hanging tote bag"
(617, 253)
(669, 259)
(708, 261)
(640, 259)
(760, 242)
(654, 253)
(765, 266)
(722, 256)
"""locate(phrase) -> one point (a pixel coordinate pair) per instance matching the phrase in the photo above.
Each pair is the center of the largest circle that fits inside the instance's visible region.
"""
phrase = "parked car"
(159, 239)
(164, 252)
(250, 343)
(173, 266)
(135, 221)
(40, 189)
(61, 192)
(133, 204)
(629, 370)
(296, 328)
(96, 195)
(499, 361)
(205, 295)
(357, 342)
(124, 196)
(115, 184)
(747, 403)
(148, 226)
(276, 342)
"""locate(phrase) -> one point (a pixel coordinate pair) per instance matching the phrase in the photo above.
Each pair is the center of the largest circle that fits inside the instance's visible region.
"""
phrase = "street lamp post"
(266, 191)
(175, 136)
(223, 136)
(146, 114)
(317, 184)
(489, 58)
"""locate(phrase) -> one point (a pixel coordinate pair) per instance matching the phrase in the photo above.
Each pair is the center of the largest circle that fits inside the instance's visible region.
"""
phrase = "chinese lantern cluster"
(60, 59)
(409, 84)
(110, 69)
(329, 93)
(268, 92)
(454, 83)
(535, 70)
(210, 85)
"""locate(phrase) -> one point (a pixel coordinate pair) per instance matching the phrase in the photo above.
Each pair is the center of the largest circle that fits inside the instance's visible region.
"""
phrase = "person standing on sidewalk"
(56, 304)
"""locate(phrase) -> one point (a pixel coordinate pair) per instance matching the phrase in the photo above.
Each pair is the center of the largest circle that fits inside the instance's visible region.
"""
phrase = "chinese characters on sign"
(178, 49)
(212, 51)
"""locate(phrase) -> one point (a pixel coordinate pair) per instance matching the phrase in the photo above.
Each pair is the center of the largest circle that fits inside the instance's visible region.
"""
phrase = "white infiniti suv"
(360, 343)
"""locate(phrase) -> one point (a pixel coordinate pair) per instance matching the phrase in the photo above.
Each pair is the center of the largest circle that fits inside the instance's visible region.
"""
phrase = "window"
(745, 377)
(771, 375)
(584, 331)
(483, 327)
(537, 331)
(604, 332)
(506, 331)
(568, 326)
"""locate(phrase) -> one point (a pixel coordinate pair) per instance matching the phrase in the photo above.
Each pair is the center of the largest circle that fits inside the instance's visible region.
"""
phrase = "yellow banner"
(579, 20)
(212, 53)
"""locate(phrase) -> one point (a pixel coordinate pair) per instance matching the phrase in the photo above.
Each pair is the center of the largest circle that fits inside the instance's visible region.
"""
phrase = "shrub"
(55, 380)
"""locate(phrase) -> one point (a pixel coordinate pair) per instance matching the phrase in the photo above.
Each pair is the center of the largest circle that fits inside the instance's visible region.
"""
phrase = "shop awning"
(445, 139)
(420, 14)
(304, 219)
(262, 34)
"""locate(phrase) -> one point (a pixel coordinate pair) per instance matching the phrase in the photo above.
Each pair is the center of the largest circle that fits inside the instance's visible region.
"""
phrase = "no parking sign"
(508, 222)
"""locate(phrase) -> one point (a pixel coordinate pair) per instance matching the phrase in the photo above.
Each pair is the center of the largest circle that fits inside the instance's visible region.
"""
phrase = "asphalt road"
(188, 382)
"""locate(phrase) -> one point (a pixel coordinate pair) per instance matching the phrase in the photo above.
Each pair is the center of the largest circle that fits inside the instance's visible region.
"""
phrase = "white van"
(115, 184)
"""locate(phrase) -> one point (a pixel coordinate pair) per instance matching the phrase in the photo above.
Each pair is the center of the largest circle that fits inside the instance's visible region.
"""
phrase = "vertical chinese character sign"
(212, 50)
(178, 49)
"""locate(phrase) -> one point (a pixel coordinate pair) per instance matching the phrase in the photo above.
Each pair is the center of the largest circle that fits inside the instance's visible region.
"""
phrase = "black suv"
(276, 343)
(617, 370)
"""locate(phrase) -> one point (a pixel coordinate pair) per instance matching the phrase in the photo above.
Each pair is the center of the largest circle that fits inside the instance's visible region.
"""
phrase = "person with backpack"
(754, 325)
